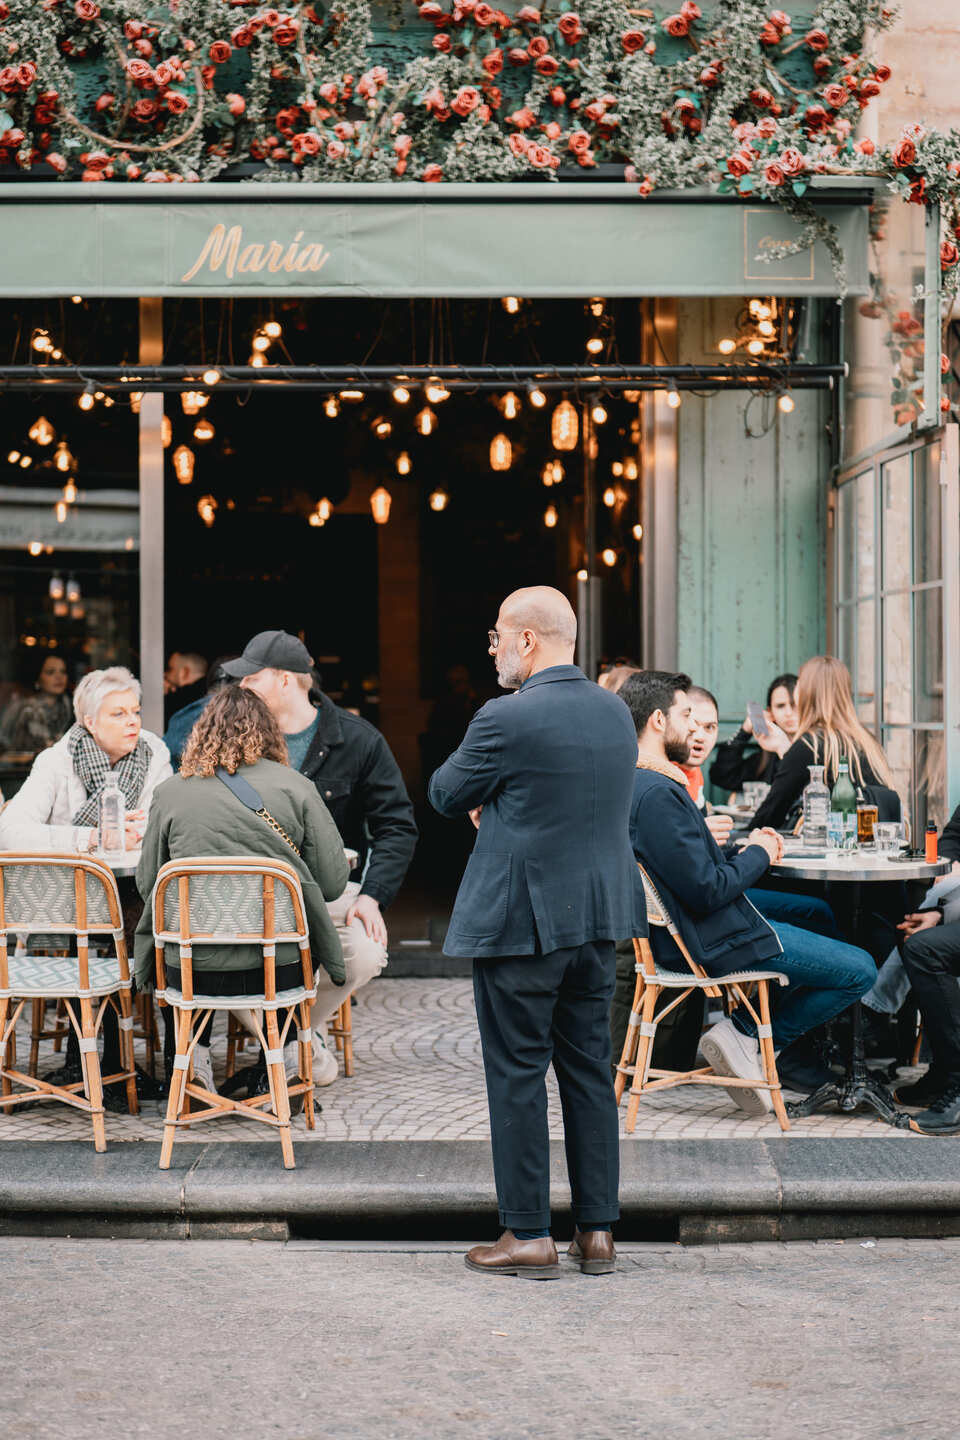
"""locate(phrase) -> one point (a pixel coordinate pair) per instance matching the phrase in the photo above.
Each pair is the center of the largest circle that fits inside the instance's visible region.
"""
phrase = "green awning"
(533, 240)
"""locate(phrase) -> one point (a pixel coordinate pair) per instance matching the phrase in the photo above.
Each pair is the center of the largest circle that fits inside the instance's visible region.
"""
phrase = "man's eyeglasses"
(494, 638)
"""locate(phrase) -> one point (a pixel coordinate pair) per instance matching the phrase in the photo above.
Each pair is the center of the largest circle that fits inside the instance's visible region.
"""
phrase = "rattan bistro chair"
(653, 982)
(72, 896)
(234, 900)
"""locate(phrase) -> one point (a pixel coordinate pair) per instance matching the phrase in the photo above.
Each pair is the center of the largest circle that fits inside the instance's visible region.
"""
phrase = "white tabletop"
(857, 865)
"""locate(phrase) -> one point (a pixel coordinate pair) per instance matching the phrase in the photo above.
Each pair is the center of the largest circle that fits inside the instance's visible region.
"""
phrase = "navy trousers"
(534, 1011)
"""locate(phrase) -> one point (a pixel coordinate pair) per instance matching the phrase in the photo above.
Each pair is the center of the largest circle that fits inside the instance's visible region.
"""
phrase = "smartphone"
(757, 718)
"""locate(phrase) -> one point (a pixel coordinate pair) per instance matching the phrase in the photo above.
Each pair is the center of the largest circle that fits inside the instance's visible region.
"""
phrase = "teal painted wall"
(752, 536)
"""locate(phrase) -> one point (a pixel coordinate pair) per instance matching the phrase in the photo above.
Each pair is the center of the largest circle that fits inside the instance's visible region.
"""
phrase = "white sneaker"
(291, 1061)
(728, 1052)
(203, 1068)
(325, 1066)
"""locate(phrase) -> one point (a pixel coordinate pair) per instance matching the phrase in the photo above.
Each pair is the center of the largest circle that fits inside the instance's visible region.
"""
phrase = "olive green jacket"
(198, 815)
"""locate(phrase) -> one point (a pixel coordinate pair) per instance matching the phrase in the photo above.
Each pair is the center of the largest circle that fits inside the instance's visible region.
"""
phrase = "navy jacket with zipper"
(700, 886)
(551, 867)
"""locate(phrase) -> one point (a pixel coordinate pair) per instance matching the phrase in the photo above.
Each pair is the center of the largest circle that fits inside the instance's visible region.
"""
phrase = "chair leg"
(61, 1026)
(184, 1024)
(126, 1051)
(278, 1088)
(233, 1031)
(651, 995)
(630, 1039)
(92, 1084)
(346, 1026)
(769, 1059)
(306, 1065)
(7, 1058)
(38, 1012)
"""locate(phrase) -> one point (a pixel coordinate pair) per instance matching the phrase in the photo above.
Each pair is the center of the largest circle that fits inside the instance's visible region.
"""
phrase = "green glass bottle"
(843, 808)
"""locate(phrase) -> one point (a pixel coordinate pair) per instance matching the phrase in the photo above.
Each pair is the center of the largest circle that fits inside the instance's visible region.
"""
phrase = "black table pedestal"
(858, 1087)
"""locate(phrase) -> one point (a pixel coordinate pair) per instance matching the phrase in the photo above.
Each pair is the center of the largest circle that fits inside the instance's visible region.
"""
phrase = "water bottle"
(816, 804)
(842, 824)
(113, 833)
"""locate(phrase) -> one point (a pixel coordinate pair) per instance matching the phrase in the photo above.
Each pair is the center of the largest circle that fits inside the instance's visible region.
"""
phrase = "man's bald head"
(536, 628)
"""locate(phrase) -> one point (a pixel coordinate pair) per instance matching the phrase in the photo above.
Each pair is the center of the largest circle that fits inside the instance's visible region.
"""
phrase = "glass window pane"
(897, 660)
(898, 747)
(928, 643)
(846, 541)
(866, 536)
(865, 677)
(928, 564)
(931, 780)
(847, 635)
(895, 488)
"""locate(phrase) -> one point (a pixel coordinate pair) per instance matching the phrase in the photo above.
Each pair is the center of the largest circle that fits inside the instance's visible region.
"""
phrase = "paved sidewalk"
(418, 1076)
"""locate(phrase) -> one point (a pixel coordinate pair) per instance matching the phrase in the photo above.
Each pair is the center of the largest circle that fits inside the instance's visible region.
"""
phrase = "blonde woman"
(828, 731)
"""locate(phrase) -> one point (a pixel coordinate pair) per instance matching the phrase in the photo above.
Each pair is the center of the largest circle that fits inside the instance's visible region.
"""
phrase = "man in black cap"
(360, 782)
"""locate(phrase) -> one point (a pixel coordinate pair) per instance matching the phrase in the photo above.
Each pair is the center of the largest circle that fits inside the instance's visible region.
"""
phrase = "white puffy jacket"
(40, 815)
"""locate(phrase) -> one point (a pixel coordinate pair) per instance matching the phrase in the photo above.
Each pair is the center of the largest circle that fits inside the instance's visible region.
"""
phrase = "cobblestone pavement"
(418, 1075)
(306, 1341)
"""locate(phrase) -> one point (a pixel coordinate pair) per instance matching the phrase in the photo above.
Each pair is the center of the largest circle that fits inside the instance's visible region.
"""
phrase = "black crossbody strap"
(246, 794)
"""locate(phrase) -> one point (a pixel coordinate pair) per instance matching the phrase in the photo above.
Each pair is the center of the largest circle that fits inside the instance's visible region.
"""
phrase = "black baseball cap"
(270, 650)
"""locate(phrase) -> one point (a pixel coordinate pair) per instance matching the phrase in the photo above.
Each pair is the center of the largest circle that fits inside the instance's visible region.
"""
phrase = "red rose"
(792, 161)
(740, 163)
(139, 71)
(558, 96)
(709, 76)
(307, 143)
(104, 102)
(55, 161)
(677, 26)
(133, 29)
(176, 102)
(26, 74)
(528, 16)
(4, 11)
(441, 43)
(466, 100)
(242, 37)
(918, 192)
(220, 52)
(632, 41)
(96, 160)
(865, 147)
(773, 174)
(903, 153)
(780, 18)
(164, 73)
(432, 173)
(690, 11)
(144, 110)
(538, 46)
(401, 146)
(822, 65)
(949, 255)
(836, 96)
(578, 141)
(87, 10)
(235, 104)
(518, 57)
(817, 39)
(484, 14)
(329, 92)
(570, 27)
(336, 150)
(761, 97)
(523, 119)
(815, 117)
(882, 73)
(868, 89)
(770, 35)
(286, 32)
(493, 63)
(271, 18)
(547, 65)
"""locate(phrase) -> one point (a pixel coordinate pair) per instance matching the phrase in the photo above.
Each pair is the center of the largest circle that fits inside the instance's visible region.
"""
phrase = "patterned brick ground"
(418, 1075)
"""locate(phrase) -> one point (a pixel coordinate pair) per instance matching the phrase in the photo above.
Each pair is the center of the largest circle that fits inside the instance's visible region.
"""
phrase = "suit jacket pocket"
(481, 908)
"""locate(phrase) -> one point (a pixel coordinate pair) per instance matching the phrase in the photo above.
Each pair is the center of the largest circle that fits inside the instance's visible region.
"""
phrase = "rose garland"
(736, 100)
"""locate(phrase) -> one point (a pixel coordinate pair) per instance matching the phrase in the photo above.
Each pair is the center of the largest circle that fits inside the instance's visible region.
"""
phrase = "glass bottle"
(843, 809)
(113, 834)
(816, 804)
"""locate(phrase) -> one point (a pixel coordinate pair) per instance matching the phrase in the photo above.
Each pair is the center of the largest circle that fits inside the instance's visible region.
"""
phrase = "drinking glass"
(867, 816)
(887, 833)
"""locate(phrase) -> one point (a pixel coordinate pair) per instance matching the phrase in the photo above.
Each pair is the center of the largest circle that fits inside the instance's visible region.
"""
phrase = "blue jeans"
(826, 976)
(810, 912)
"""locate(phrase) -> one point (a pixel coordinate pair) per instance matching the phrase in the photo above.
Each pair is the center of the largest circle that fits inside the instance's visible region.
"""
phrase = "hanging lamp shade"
(501, 452)
(565, 426)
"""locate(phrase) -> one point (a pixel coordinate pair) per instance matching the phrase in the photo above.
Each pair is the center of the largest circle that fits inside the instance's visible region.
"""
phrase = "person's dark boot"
(801, 1067)
(943, 1116)
(924, 1091)
(879, 1035)
(593, 1251)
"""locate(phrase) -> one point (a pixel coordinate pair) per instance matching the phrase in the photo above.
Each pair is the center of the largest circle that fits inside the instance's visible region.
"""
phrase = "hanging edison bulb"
(70, 492)
(599, 414)
(260, 342)
(550, 516)
(673, 399)
(609, 497)
(86, 400)
(380, 502)
(73, 590)
(193, 401)
(203, 430)
(55, 587)
(382, 427)
(183, 464)
(558, 472)
(324, 509)
(207, 509)
(403, 463)
(315, 519)
(537, 397)
(166, 430)
(638, 532)
(511, 304)
(62, 458)
(565, 426)
(426, 421)
(351, 394)
(435, 391)
(630, 469)
(509, 406)
(60, 509)
(332, 406)
(609, 557)
(501, 452)
(439, 500)
(401, 394)
(274, 329)
(546, 474)
(257, 360)
(41, 432)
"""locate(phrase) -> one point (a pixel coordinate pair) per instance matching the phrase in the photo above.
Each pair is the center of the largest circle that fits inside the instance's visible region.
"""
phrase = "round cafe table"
(854, 869)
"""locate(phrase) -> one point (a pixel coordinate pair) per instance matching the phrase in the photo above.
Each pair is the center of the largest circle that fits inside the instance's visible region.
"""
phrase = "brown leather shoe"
(593, 1251)
(527, 1259)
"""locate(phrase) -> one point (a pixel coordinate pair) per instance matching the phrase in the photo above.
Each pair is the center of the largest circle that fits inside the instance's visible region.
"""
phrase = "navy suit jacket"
(700, 885)
(552, 867)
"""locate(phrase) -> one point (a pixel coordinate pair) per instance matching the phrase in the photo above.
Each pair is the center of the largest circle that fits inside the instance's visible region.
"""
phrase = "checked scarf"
(92, 766)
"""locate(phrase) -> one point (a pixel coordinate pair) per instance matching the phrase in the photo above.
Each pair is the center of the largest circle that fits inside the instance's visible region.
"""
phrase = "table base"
(847, 1094)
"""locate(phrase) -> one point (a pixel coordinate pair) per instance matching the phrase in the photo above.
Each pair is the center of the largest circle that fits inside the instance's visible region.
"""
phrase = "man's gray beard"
(511, 677)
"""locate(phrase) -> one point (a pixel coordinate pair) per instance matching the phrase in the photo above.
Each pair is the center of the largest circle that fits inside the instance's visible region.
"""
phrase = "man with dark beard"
(703, 889)
(546, 775)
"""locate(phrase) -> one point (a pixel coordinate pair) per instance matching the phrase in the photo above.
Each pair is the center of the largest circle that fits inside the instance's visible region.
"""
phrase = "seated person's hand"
(475, 816)
(747, 726)
(920, 920)
(768, 840)
(367, 911)
(720, 827)
(136, 823)
(776, 742)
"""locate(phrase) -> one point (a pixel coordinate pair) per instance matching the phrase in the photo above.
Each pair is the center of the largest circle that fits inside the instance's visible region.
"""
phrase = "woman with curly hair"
(197, 813)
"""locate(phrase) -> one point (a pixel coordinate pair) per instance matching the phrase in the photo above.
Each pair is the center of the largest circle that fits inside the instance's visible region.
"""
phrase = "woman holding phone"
(756, 750)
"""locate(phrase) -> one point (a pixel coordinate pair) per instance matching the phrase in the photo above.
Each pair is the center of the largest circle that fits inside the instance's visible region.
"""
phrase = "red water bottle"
(930, 844)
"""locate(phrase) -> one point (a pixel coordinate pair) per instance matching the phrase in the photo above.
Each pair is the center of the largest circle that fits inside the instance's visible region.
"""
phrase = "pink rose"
(336, 149)
(523, 119)
(242, 37)
(538, 46)
(176, 102)
(86, 10)
(740, 164)
(836, 95)
(484, 14)
(773, 174)
(433, 100)
(690, 11)
(547, 66)
(518, 56)
(817, 39)
(632, 41)
(329, 92)
(577, 141)
(903, 153)
(56, 162)
(780, 18)
(570, 27)
(307, 142)
(677, 26)
(344, 130)
(949, 255)
(439, 42)
(766, 128)
(139, 71)
(792, 161)
(466, 100)
(864, 147)
(528, 15)
(401, 146)
(432, 174)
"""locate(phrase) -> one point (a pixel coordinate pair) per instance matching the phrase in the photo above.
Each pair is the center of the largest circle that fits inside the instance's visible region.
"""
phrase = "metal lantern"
(501, 452)
(565, 426)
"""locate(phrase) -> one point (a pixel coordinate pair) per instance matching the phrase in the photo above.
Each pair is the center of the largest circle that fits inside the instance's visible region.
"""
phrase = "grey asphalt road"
(200, 1340)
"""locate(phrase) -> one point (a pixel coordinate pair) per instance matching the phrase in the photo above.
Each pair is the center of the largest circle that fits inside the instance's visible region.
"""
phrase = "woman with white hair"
(58, 806)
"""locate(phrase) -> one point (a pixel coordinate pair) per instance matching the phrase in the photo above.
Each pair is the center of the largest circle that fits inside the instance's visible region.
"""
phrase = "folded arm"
(472, 775)
(667, 831)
